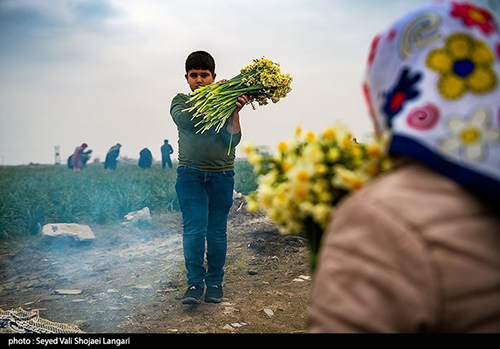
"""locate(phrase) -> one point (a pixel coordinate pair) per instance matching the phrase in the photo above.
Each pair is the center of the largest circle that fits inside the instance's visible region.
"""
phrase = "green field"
(31, 196)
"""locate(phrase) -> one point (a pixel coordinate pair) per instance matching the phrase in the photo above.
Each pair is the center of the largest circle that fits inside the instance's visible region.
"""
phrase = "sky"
(105, 71)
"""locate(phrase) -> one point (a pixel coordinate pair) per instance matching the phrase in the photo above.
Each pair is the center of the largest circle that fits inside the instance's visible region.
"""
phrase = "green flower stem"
(314, 233)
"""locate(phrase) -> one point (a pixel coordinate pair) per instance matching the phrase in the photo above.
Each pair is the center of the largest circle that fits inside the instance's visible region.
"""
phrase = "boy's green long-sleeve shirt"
(203, 151)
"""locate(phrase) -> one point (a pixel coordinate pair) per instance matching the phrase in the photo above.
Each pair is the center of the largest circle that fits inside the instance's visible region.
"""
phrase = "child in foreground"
(418, 250)
(205, 183)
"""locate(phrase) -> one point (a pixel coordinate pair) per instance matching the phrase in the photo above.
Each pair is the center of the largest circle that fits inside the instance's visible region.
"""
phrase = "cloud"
(105, 71)
(35, 31)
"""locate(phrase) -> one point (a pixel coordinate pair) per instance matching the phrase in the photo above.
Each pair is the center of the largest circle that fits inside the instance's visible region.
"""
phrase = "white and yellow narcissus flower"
(349, 180)
(255, 159)
(313, 153)
(301, 183)
(266, 194)
(253, 205)
(343, 135)
(330, 134)
(375, 150)
(333, 154)
(248, 148)
(321, 213)
(301, 173)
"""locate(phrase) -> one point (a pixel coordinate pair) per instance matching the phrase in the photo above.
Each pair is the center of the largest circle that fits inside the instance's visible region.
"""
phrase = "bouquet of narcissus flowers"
(262, 80)
(300, 185)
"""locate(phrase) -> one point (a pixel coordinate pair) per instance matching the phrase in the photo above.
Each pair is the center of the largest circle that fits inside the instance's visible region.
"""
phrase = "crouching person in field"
(145, 158)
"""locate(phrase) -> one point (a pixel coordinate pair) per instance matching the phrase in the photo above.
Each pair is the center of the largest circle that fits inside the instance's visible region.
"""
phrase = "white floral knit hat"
(433, 80)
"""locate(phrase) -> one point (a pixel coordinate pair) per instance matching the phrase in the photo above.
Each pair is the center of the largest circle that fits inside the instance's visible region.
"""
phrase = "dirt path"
(131, 280)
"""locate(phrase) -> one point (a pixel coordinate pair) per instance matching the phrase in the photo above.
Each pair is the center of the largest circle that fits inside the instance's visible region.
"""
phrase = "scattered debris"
(68, 292)
(230, 310)
(228, 327)
(167, 290)
(143, 287)
(269, 312)
(117, 309)
(302, 278)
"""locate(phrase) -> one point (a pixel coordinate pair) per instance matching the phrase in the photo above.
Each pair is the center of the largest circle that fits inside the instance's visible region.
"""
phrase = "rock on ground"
(76, 231)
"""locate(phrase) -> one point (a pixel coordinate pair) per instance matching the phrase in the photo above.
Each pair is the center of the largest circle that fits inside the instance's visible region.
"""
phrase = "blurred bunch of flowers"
(300, 185)
(262, 81)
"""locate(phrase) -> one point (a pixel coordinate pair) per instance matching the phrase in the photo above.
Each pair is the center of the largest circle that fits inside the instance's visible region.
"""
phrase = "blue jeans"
(205, 199)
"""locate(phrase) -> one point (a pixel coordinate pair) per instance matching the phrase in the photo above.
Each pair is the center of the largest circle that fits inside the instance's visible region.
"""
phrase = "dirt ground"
(131, 279)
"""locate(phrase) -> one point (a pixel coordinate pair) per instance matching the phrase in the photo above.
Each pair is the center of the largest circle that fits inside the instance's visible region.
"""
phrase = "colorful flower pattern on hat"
(473, 16)
(373, 49)
(465, 64)
(423, 118)
(404, 90)
(433, 82)
(420, 32)
(366, 94)
(471, 136)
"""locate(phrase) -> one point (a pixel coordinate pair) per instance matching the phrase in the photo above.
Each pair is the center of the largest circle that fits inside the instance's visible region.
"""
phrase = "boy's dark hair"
(200, 60)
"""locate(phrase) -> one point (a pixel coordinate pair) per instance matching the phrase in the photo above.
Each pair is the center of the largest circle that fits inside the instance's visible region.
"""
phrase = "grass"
(32, 196)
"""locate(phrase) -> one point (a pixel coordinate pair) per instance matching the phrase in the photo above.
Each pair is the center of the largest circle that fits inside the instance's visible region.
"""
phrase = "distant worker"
(166, 150)
(77, 157)
(145, 158)
(85, 158)
(112, 157)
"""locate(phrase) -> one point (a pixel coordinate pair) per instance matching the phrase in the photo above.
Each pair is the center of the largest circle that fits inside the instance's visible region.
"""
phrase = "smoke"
(113, 281)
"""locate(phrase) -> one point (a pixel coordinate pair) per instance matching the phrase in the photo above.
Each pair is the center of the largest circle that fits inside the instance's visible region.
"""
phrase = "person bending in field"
(85, 158)
(77, 157)
(111, 161)
(205, 182)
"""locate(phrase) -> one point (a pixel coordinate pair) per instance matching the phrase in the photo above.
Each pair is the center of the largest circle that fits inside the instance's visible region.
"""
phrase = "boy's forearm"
(233, 125)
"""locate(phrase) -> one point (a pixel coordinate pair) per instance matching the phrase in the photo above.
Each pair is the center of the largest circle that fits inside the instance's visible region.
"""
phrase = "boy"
(205, 182)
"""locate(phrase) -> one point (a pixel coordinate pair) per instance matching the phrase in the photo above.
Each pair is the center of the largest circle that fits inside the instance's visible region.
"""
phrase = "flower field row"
(31, 196)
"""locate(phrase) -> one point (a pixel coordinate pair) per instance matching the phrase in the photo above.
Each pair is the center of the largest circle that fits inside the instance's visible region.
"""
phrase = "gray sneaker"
(193, 295)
